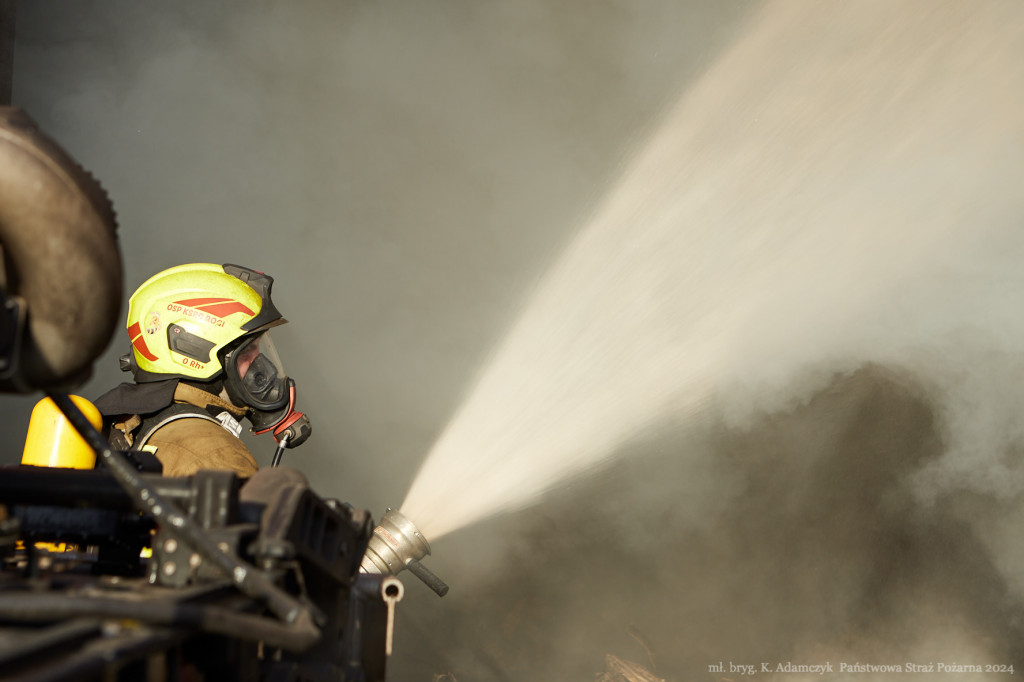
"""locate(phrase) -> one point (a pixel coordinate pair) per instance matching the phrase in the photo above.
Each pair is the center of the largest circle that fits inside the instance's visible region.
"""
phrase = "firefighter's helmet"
(185, 320)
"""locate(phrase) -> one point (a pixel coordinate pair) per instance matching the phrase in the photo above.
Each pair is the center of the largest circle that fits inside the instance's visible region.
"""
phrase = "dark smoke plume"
(797, 538)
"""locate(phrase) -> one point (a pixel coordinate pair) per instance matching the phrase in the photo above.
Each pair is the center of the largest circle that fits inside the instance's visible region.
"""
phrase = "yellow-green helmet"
(181, 319)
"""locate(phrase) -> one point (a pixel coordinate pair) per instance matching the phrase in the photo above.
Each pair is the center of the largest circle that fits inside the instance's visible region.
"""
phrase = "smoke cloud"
(410, 172)
(799, 204)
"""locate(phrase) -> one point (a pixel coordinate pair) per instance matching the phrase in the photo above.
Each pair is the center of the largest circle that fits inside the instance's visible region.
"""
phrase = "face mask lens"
(257, 365)
(246, 356)
(261, 380)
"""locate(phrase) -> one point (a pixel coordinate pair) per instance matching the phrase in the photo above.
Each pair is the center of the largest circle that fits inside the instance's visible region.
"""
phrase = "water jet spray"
(398, 544)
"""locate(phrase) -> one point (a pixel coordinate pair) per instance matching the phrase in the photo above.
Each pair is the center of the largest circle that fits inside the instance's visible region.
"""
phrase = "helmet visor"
(255, 368)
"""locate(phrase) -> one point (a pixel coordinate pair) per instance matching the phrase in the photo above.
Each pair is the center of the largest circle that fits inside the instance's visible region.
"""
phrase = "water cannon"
(397, 544)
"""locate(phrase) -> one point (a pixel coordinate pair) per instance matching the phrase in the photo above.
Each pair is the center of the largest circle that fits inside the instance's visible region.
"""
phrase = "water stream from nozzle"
(806, 203)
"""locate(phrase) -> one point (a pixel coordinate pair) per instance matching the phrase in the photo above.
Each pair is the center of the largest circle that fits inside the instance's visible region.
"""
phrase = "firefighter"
(203, 360)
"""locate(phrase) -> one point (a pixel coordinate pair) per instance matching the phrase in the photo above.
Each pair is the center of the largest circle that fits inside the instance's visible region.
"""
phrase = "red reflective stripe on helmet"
(135, 332)
(225, 309)
(219, 307)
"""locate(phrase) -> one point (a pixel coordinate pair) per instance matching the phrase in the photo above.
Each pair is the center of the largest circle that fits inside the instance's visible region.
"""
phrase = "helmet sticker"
(153, 323)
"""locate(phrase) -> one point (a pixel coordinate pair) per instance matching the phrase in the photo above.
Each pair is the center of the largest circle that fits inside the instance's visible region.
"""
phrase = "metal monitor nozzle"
(397, 544)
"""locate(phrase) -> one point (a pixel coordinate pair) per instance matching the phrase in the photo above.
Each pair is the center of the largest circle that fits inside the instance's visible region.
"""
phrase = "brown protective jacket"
(190, 442)
(185, 446)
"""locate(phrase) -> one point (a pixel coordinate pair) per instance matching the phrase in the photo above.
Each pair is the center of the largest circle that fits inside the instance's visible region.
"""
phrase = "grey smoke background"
(403, 169)
(406, 170)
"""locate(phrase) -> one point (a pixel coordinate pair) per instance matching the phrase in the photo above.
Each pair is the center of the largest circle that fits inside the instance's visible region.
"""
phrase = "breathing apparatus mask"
(254, 376)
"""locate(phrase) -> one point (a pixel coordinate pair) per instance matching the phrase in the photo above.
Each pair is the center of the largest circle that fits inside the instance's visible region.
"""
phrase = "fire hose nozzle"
(397, 544)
